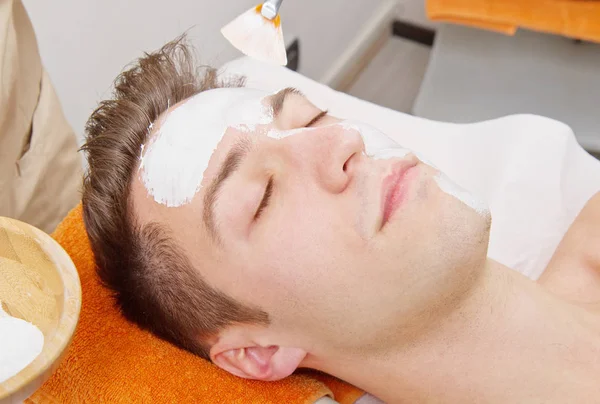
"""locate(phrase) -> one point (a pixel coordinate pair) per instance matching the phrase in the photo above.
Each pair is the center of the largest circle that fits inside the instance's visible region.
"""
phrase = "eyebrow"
(278, 100)
(233, 161)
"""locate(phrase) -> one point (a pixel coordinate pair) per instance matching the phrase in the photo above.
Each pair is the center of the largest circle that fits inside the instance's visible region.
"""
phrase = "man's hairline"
(276, 101)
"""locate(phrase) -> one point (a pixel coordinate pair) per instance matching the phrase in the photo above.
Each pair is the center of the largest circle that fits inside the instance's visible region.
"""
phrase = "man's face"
(307, 217)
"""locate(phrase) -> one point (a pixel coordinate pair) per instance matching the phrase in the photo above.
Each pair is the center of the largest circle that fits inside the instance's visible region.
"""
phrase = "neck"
(508, 332)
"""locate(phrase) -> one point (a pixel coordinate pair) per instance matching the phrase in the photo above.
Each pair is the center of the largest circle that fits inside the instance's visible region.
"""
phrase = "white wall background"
(85, 43)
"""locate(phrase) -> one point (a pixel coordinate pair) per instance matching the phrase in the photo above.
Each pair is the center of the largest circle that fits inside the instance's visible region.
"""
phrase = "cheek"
(306, 259)
(288, 249)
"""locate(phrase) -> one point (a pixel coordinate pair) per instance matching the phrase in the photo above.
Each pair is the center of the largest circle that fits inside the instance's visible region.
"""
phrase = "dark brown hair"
(154, 283)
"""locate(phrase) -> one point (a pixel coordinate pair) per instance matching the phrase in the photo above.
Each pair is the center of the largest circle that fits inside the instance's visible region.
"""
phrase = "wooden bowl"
(38, 283)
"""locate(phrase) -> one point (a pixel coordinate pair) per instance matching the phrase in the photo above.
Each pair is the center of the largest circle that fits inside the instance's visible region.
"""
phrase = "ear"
(257, 362)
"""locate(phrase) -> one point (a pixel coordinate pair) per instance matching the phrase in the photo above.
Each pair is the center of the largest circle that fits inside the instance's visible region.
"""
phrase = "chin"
(465, 234)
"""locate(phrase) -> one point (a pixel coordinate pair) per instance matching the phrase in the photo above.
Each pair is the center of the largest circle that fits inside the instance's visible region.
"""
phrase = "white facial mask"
(384, 154)
(173, 165)
(449, 187)
(380, 146)
(374, 140)
(282, 134)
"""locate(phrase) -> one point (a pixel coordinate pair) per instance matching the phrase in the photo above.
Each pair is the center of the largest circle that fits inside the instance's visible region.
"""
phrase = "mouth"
(394, 188)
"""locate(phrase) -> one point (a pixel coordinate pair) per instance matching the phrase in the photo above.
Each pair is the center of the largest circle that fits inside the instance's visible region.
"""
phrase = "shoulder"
(575, 266)
(586, 232)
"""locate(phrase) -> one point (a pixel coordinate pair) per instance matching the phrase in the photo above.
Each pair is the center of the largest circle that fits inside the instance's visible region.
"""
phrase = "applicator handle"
(270, 8)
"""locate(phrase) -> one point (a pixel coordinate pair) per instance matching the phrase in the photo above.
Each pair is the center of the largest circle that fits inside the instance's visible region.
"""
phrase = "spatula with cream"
(258, 34)
(20, 343)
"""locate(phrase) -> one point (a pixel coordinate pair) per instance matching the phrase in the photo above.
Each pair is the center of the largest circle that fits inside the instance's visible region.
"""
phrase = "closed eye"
(269, 189)
(265, 200)
(316, 119)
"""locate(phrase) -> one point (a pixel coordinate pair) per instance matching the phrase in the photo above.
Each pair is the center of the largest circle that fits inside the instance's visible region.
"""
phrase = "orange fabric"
(343, 392)
(111, 360)
(578, 19)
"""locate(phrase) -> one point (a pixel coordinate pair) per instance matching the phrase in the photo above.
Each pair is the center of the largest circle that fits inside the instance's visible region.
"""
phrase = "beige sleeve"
(40, 169)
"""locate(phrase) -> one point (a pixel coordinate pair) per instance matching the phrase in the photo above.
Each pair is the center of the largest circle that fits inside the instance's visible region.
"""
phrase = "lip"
(393, 190)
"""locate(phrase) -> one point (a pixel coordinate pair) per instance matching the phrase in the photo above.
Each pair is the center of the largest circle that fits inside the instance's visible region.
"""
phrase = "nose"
(332, 154)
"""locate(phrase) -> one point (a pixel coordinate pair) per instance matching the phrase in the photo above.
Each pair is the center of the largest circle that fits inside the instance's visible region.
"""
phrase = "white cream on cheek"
(173, 165)
(380, 147)
(373, 139)
(385, 154)
(449, 187)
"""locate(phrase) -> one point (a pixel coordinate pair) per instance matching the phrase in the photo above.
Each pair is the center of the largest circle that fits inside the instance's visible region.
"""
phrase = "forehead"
(174, 161)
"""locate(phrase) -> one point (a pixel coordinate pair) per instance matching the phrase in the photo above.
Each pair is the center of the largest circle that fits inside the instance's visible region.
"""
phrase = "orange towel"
(578, 19)
(111, 360)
